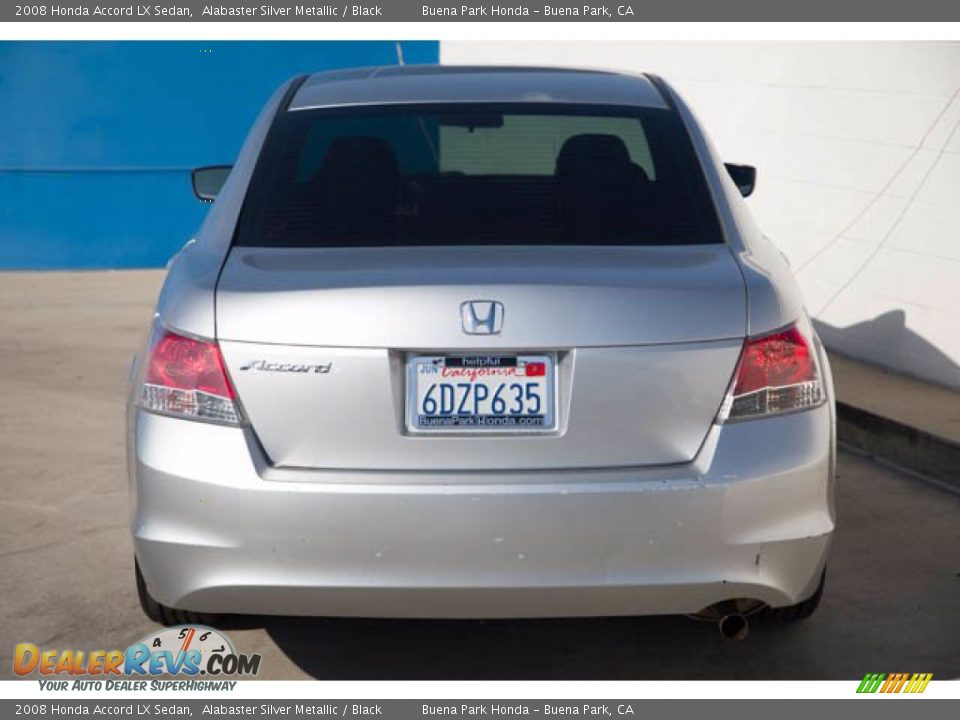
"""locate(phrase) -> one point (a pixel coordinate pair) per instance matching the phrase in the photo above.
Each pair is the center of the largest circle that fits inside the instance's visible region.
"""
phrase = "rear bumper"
(216, 530)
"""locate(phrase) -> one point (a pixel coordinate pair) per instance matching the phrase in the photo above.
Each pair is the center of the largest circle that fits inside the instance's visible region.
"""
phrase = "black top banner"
(506, 11)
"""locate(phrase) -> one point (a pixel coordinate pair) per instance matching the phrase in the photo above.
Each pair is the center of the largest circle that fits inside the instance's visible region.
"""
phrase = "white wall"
(858, 150)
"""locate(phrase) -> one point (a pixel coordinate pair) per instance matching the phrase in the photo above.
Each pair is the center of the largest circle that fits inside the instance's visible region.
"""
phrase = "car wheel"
(800, 611)
(164, 615)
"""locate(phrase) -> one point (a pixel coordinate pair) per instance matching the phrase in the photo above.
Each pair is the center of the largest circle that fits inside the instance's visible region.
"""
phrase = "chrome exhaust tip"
(733, 627)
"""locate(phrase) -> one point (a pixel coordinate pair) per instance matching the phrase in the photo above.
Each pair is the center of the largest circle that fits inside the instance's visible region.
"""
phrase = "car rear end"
(478, 358)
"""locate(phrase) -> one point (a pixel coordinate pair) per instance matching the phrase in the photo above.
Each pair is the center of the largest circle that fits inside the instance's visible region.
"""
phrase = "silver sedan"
(480, 342)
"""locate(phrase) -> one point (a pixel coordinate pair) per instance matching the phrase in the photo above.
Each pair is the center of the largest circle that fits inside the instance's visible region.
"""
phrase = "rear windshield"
(477, 175)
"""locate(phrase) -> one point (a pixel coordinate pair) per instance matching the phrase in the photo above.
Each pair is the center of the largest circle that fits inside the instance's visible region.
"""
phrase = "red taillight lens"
(187, 364)
(774, 361)
(776, 373)
(187, 377)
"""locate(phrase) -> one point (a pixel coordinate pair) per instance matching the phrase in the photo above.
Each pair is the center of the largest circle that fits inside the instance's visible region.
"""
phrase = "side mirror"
(744, 176)
(208, 180)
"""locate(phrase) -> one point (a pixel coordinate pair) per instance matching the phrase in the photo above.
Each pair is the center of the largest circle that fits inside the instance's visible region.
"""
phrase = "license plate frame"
(546, 384)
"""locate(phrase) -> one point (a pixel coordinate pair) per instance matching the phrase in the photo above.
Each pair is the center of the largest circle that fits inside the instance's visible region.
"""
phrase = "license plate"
(480, 393)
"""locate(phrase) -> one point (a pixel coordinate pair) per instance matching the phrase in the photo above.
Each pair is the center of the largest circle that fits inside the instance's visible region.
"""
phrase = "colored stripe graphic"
(894, 683)
(919, 682)
(871, 682)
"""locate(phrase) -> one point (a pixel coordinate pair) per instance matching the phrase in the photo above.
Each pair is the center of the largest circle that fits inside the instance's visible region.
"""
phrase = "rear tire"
(164, 615)
(800, 611)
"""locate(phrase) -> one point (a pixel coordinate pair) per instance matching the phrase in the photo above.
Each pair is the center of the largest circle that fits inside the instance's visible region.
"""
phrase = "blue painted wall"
(97, 138)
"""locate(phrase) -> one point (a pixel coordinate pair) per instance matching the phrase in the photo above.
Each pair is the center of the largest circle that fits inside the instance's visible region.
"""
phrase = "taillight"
(186, 377)
(777, 373)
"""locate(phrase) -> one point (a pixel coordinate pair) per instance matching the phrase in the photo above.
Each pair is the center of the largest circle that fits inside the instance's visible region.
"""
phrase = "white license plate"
(480, 393)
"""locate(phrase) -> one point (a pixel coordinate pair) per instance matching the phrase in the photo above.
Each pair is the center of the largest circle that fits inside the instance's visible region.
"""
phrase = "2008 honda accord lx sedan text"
(480, 342)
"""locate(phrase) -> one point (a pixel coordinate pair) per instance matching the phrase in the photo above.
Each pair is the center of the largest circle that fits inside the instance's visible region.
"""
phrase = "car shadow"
(583, 649)
(904, 350)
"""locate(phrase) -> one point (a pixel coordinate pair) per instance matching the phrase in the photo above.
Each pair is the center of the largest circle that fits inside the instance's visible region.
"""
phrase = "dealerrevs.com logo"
(184, 650)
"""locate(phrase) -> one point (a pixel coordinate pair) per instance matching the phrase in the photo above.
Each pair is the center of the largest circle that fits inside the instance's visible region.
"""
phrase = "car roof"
(424, 84)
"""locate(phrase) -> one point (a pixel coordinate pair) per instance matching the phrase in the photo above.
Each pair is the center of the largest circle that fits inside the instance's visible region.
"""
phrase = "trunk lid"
(316, 342)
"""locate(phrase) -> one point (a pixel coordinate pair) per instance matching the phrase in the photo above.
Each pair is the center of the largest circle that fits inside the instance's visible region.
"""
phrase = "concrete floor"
(892, 600)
